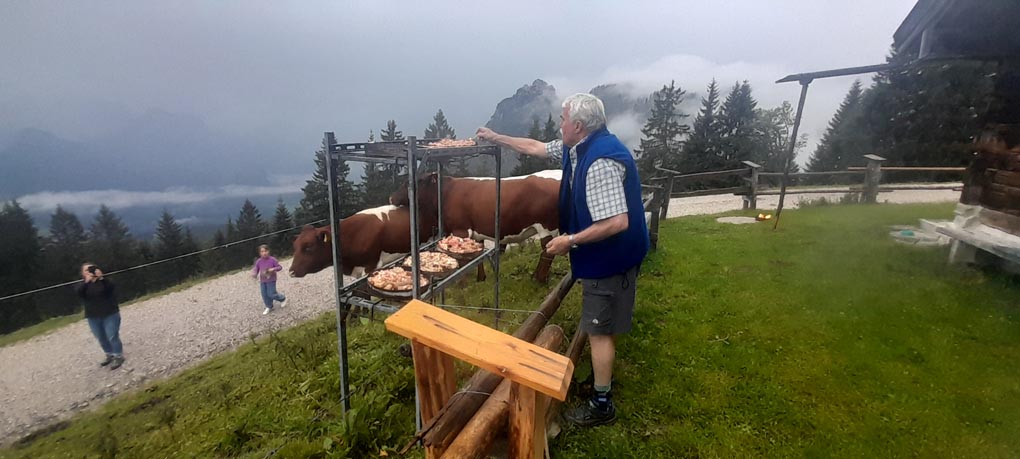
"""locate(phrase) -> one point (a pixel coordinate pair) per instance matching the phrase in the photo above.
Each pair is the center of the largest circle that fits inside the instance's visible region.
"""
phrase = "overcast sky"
(287, 71)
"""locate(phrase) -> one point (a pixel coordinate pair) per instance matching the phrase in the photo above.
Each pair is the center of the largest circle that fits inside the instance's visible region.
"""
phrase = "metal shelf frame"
(415, 155)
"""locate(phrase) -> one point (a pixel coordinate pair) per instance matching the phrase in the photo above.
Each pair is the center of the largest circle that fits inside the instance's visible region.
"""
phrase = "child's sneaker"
(283, 304)
(266, 311)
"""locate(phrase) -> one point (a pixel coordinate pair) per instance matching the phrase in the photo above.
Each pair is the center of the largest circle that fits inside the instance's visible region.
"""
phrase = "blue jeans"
(107, 332)
(269, 294)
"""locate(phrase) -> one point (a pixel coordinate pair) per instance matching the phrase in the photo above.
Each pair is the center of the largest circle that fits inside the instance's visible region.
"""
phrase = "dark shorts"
(607, 305)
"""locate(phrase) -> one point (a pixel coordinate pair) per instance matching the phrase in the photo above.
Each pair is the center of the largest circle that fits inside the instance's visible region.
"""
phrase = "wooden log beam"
(690, 178)
(812, 174)
(714, 191)
(462, 407)
(483, 347)
(911, 169)
(477, 436)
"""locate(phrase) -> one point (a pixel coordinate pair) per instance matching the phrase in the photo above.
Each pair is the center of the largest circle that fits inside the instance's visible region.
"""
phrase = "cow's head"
(312, 251)
(428, 193)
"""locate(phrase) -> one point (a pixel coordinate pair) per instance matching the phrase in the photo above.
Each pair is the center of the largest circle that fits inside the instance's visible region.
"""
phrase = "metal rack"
(415, 155)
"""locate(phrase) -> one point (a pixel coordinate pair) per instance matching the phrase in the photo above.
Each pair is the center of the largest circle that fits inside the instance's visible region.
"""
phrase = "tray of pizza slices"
(463, 249)
(434, 264)
(452, 143)
(395, 282)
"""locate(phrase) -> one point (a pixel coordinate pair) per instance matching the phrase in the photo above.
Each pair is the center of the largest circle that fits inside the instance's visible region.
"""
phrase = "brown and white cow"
(367, 238)
(529, 204)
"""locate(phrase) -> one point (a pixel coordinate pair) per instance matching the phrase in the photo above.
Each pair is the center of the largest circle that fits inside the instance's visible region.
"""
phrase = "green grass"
(40, 328)
(55, 323)
(821, 339)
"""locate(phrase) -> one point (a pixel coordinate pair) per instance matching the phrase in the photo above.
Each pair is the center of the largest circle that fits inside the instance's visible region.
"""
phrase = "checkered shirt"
(603, 186)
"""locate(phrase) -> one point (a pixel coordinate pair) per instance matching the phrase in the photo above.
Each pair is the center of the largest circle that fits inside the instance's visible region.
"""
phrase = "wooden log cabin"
(948, 31)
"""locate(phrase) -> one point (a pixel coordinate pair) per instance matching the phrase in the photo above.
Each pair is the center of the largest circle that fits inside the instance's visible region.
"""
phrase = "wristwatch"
(571, 239)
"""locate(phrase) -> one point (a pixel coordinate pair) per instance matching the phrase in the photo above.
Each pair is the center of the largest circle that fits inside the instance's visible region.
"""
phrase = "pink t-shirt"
(262, 268)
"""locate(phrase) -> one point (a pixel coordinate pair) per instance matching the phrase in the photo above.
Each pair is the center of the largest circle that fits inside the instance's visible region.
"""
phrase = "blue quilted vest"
(617, 253)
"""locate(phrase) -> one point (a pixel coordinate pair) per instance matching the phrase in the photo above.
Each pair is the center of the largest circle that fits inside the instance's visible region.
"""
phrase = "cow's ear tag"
(325, 238)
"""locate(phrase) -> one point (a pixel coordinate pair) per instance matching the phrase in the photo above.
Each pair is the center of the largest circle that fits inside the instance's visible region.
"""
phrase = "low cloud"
(89, 201)
(693, 74)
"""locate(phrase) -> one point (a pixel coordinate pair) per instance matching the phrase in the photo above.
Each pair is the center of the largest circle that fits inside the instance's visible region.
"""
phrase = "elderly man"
(603, 229)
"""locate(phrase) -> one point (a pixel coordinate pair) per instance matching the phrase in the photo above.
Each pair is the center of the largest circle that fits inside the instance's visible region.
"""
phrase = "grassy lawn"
(821, 339)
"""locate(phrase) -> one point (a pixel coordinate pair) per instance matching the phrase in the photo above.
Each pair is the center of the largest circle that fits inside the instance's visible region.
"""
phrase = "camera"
(92, 269)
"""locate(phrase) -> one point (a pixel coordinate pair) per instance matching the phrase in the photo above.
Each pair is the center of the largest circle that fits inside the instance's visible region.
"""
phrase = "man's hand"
(560, 245)
(485, 133)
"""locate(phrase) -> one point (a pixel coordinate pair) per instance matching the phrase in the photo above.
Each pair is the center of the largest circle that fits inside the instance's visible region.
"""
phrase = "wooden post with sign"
(535, 373)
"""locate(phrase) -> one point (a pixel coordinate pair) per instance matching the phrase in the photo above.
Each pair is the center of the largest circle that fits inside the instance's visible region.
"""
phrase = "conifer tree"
(736, 121)
(702, 152)
(20, 248)
(842, 143)
(281, 243)
(663, 132)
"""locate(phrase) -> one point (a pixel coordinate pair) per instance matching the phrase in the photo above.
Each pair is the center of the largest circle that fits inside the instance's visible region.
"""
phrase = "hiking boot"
(589, 415)
(116, 362)
(267, 311)
(106, 361)
(586, 388)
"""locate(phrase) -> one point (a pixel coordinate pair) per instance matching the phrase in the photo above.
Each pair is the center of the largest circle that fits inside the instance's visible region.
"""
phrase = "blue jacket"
(617, 253)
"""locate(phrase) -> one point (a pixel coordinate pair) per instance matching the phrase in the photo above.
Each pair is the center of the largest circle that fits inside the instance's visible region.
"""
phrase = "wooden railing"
(752, 187)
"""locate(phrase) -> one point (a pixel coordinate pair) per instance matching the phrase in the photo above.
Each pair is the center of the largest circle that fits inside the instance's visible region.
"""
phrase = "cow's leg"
(481, 273)
(545, 261)
(502, 249)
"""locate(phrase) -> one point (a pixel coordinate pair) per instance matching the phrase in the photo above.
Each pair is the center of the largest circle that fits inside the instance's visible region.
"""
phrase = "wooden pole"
(664, 205)
(436, 382)
(789, 154)
(545, 261)
(477, 436)
(653, 226)
(872, 178)
(464, 406)
(752, 192)
(574, 351)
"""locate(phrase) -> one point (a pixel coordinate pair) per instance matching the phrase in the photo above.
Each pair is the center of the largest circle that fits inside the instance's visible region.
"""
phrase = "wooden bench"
(437, 336)
(967, 242)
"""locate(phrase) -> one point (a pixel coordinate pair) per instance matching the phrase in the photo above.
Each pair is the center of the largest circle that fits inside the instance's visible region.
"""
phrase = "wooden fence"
(752, 187)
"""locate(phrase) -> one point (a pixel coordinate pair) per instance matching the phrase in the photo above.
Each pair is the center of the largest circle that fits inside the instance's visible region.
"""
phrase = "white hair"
(587, 109)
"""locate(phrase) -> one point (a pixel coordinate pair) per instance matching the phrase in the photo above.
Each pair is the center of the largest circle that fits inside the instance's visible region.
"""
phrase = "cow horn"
(325, 238)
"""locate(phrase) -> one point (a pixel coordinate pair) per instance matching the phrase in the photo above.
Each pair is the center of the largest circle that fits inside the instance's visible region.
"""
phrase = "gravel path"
(50, 377)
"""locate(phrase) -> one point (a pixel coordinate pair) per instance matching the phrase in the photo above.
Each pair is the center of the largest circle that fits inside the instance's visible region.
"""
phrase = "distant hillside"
(153, 151)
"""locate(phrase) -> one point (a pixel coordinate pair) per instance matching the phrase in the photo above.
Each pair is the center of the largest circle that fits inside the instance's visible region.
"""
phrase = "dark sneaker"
(116, 362)
(588, 415)
(106, 361)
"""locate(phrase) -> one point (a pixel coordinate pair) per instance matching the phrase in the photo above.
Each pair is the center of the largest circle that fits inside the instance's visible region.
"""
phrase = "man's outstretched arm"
(521, 145)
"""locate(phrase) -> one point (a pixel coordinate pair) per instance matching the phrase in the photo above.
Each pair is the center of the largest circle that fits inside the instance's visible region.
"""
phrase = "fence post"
(751, 200)
(653, 231)
(872, 178)
(664, 201)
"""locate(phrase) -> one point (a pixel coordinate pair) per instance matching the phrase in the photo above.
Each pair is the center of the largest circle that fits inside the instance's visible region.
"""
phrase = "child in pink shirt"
(265, 271)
